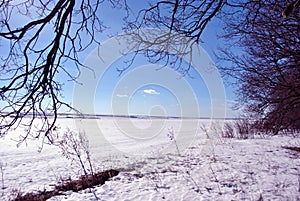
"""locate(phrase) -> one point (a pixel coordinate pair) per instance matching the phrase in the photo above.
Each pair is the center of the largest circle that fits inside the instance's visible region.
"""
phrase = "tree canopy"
(266, 70)
(41, 38)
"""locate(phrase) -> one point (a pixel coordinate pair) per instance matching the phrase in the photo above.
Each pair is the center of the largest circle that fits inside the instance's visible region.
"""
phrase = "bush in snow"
(75, 146)
(228, 130)
(243, 129)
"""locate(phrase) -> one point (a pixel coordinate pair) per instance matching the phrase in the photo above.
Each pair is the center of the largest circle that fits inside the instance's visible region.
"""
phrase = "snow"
(152, 169)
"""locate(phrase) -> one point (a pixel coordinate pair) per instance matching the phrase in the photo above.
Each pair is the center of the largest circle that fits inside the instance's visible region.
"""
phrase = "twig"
(2, 177)
(215, 176)
(195, 183)
(171, 136)
(299, 182)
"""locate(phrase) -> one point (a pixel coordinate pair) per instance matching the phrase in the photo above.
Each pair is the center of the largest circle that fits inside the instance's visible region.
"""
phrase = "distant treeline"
(98, 116)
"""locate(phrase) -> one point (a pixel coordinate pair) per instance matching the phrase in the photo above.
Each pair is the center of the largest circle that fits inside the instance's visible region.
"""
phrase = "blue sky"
(144, 89)
(153, 98)
(163, 92)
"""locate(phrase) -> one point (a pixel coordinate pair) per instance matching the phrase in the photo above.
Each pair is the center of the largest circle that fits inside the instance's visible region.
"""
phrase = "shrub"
(75, 146)
(243, 129)
(228, 130)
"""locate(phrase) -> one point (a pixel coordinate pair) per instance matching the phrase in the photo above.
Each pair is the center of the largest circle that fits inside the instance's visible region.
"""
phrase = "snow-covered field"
(151, 167)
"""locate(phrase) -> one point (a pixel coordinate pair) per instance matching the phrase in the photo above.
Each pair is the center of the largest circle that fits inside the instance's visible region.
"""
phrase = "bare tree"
(51, 38)
(290, 8)
(263, 56)
(41, 39)
(179, 19)
(186, 17)
(49, 42)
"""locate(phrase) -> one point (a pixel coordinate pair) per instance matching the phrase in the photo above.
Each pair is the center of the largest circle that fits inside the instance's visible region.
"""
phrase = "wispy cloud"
(122, 95)
(151, 91)
(231, 102)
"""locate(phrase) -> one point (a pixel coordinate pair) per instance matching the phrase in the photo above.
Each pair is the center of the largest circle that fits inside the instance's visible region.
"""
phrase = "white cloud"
(231, 101)
(122, 95)
(151, 91)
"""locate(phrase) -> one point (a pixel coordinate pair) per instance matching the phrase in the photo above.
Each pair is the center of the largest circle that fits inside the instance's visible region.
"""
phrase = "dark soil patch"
(86, 181)
(297, 149)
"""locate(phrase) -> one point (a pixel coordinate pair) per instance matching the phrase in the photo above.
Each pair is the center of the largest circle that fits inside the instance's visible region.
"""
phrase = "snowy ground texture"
(253, 169)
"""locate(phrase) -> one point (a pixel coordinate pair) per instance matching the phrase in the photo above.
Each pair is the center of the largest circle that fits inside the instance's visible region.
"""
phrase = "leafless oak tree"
(181, 20)
(49, 42)
(43, 38)
(263, 56)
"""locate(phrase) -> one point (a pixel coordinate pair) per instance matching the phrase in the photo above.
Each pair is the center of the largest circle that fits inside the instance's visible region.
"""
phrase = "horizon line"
(133, 116)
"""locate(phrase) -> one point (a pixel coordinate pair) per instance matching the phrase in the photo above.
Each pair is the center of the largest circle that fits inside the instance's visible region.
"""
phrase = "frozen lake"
(151, 168)
(131, 136)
